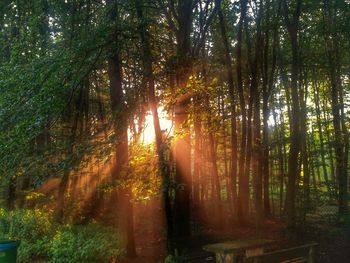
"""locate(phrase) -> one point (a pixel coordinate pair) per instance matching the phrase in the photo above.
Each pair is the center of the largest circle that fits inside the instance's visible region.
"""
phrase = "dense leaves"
(257, 91)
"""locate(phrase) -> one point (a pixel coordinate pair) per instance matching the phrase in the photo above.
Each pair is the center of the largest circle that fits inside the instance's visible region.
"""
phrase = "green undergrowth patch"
(43, 240)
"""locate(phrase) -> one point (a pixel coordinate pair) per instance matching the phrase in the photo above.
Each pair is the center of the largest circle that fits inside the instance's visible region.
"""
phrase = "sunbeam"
(148, 135)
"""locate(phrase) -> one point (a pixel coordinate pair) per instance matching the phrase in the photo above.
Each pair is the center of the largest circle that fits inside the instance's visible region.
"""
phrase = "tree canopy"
(249, 103)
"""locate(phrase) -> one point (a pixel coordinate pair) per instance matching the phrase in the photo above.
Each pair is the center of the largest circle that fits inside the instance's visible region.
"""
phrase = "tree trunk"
(304, 144)
(120, 126)
(215, 175)
(329, 183)
(163, 165)
(292, 27)
(182, 146)
(229, 78)
(197, 153)
(243, 192)
(268, 84)
(341, 140)
(62, 188)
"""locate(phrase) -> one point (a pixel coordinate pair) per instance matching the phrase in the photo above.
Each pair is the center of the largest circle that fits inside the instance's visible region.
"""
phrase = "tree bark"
(120, 126)
(328, 182)
(182, 146)
(341, 140)
(230, 82)
(163, 165)
(243, 192)
(293, 27)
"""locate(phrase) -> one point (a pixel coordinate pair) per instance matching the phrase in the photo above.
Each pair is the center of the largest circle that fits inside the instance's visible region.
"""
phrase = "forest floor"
(334, 241)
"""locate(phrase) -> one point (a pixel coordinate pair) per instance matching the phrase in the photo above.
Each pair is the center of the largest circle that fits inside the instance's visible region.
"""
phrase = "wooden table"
(231, 251)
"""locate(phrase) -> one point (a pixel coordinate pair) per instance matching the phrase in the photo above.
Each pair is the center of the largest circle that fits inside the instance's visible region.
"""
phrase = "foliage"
(225, 80)
(41, 238)
(173, 259)
(90, 243)
(170, 259)
(144, 171)
(34, 228)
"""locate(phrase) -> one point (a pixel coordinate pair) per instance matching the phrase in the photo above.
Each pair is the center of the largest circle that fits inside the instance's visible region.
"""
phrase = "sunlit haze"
(148, 135)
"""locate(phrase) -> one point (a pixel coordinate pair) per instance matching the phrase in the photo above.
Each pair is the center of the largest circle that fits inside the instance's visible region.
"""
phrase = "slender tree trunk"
(320, 133)
(292, 27)
(162, 163)
(182, 146)
(326, 117)
(268, 84)
(304, 145)
(243, 192)
(341, 140)
(11, 193)
(197, 153)
(254, 129)
(229, 77)
(215, 175)
(314, 165)
(280, 161)
(62, 188)
(120, 125)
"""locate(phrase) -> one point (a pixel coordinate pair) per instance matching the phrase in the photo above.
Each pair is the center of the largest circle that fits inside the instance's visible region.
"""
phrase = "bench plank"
(298, 254)
(229, 252)
(237, 246)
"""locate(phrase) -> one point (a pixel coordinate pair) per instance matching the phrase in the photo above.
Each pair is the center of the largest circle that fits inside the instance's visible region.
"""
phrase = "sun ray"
(148, 134)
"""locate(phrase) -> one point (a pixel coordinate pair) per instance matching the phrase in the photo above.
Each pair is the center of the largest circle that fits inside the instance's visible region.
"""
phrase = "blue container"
(8, 251)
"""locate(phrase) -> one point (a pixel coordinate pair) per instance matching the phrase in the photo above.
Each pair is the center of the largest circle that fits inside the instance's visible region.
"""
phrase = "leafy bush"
(173, 259)
(170, 259)
(90, 243)
(33, 227)
(42, 239)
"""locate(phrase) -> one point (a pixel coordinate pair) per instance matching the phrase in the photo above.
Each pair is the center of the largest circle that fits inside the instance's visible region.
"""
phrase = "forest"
(142, 130)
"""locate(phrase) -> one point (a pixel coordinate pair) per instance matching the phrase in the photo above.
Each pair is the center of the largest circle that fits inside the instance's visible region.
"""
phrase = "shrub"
(33, 227)
(43, 240)
(173, 259)
(89, 243)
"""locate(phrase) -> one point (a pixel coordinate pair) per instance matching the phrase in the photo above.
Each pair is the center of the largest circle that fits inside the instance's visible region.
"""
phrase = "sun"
(148, 134)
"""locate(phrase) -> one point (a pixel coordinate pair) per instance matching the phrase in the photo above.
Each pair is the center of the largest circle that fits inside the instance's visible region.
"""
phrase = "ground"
(333, 240)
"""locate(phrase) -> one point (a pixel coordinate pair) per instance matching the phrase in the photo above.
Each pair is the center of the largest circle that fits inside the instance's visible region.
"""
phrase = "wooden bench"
(198, 257)
(300, 254)
(235, 251)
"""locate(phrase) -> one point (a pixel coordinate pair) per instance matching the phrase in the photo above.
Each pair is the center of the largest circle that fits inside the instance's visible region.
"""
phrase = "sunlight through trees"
(153, 122)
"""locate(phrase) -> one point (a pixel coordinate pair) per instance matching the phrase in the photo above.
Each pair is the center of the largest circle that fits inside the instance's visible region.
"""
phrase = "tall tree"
(120, 126)
(243, 191)
(230, 82)
(341, 137)
(153, 104)
(292, 24)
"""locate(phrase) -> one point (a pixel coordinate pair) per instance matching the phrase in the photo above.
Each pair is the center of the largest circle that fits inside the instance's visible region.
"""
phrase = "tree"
(123, 196)
(292, 25)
